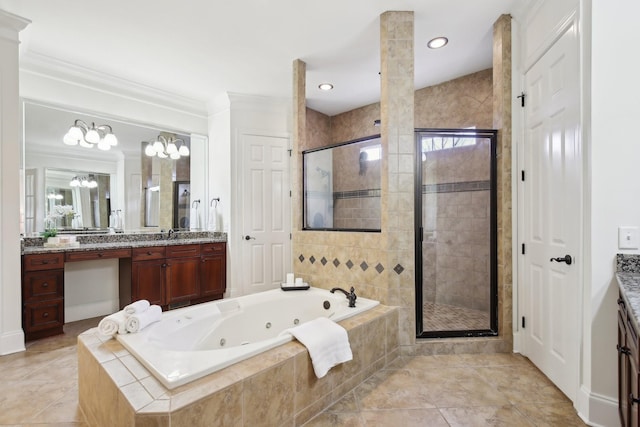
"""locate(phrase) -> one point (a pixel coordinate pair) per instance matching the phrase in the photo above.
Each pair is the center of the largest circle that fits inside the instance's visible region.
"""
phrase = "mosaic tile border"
(351, 194)
(455, 187)
(364, 266)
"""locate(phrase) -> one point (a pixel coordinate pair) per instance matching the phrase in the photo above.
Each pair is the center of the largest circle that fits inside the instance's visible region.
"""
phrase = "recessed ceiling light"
(438, 42)
(325, 86)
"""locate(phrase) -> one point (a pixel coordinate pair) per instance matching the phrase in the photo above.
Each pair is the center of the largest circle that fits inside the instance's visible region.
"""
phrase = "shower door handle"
(566, 258)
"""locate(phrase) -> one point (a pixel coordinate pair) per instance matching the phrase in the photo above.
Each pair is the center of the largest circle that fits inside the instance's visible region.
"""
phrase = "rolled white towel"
(113, 324)
(136, 307)
(139, 321)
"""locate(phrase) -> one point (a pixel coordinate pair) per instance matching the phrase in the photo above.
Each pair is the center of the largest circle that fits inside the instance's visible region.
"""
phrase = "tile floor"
(39, 388)
(444, 317)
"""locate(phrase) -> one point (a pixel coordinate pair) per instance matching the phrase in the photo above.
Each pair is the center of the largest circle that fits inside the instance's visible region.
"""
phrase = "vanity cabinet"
(183, 273)
(628, 362)
(43, 295)
(180, 274)
(148, 272)
(213, 270)
(170, 276)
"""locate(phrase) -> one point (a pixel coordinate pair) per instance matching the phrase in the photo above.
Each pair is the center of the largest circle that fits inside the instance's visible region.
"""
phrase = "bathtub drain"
(296, 321)
(268, 325)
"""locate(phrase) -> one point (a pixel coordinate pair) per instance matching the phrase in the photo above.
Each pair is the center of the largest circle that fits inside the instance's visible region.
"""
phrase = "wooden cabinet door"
(183, 279)
(213, 275)
(623, 372)
(148, 280)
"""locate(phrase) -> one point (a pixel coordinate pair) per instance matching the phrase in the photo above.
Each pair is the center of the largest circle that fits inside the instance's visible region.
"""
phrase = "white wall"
(614, 160)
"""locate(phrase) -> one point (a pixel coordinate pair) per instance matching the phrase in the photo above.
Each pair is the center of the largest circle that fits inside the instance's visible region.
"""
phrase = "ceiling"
(202, 48)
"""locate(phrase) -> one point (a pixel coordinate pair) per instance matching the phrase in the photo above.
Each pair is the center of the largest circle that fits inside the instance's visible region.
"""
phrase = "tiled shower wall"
(456, 221)
(362, 260)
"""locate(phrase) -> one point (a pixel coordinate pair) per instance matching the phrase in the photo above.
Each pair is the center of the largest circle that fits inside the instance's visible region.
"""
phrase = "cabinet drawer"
(99, 254)
(48, 261)
(44, 315)
(148, 253)
(212, 248)
(42, 285)
(177, 251)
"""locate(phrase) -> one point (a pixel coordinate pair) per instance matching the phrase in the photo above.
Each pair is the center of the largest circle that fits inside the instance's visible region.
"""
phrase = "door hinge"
(523, 322)
(422, 234)
(290, 193)
(290, 151)
(522, 175)
(521, 96)
(290, 236)
(523, 250)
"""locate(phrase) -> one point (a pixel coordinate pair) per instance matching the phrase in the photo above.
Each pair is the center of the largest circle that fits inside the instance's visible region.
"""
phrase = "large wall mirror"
(342, 186)
(131, 188)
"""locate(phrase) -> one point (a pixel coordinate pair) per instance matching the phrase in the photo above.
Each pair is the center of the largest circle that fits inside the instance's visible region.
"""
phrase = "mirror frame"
(305, 183)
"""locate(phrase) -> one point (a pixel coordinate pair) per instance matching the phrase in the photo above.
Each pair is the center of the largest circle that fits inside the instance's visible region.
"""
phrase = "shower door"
(456, 267)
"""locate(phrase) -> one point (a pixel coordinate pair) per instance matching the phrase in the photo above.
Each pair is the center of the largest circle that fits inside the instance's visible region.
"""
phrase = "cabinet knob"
(632, 399)
(100, 255)
(164, 265)
(45, 314)
(148, 252)
(45, 285)
(623, 350)
(44, 261)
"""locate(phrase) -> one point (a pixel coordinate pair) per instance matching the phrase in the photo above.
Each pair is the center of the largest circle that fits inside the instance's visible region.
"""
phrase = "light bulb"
(76, 133)
(184, 150)
(149, 150)
(69, 139)
(84, 182)
(85, 144)
(93, 183)
(92, 136)
(175, 155)
(75, 182)
(171, 148)
(58, 196)
(162, 155)
(111, 139)
(104, 145)
(158, 147)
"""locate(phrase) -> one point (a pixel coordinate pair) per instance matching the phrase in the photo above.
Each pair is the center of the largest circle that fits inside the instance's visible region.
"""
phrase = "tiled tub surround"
(32, 245)
(189, 343)
(277, 387)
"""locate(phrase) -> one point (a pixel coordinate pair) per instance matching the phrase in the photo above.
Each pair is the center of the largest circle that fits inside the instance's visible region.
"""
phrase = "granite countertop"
(124, 241)
(628, 276)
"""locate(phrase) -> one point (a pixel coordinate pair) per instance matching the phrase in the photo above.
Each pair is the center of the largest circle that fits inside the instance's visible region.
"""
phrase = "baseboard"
(597, 410)
(87, 311)
(11, 342)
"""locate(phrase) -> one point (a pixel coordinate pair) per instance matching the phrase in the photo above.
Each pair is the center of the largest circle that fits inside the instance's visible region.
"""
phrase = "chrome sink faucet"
(351, 296)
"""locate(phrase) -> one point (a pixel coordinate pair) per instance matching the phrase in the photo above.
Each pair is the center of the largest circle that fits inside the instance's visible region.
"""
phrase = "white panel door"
(266, 244)
(552, 214)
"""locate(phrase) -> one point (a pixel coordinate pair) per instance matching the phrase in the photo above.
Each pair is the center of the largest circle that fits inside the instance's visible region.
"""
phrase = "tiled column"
(299, 132)
(11, 335)
(502, 99)
(397, 130)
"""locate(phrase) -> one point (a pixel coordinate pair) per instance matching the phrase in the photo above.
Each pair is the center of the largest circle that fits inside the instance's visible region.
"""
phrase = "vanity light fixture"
(438, 42)
(88, 136)
(83, 181)
(325, 86)
(167, 147)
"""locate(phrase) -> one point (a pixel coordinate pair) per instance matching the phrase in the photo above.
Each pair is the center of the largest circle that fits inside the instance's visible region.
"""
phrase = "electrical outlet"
(628, 238)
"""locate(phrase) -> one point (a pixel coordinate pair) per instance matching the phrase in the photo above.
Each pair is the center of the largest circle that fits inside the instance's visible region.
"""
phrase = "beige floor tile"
(348, 403)
(459, 387)
(65, 410)
(484, 416)
(522, 384)
(344, 419)
(20, 401)
(551, 414)
(393, 389)
(404, 418)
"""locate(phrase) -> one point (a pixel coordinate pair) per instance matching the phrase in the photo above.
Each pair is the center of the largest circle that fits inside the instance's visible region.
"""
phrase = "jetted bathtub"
(191, 342)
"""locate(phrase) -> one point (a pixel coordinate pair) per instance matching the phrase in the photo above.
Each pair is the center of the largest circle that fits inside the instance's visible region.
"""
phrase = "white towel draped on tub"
(136, 307)
(327, 342)
(139, 321)
(113, 324)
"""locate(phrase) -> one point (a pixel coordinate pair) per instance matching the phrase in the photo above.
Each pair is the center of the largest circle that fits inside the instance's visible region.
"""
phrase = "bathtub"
(192, 342)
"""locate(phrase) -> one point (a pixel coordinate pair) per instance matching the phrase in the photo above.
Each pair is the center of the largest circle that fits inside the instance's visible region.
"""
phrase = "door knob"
(566, 258)
(249, 238)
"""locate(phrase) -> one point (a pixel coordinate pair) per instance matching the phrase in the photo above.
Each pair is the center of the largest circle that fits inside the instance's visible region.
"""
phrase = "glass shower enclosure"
(456, 228)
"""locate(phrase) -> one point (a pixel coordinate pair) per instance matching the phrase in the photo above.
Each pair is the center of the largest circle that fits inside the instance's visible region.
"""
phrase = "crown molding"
(49, 67)
(11, 25)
